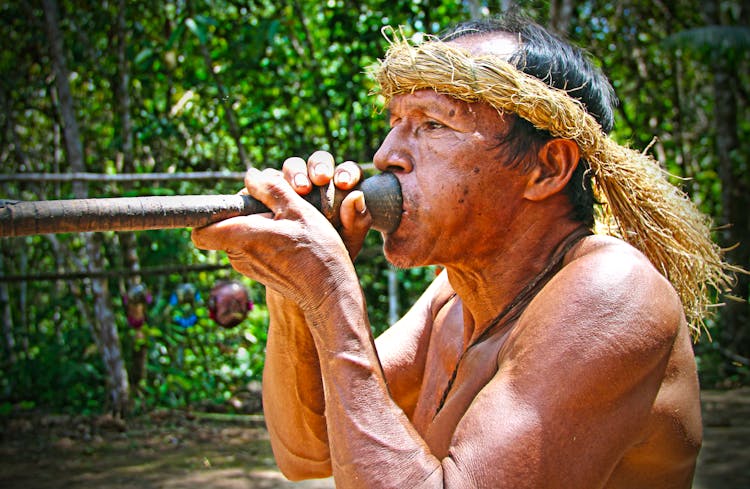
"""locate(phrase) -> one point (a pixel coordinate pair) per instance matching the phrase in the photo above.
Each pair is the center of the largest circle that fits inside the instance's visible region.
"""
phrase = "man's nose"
(393, 155)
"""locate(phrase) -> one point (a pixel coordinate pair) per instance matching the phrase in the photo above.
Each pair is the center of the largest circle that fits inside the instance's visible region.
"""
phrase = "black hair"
(561, 65)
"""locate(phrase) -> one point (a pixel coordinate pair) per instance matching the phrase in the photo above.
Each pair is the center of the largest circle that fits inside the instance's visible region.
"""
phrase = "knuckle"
(276, 188)
(199, 239)
(294, 164)
(321, 156)
(350, 165)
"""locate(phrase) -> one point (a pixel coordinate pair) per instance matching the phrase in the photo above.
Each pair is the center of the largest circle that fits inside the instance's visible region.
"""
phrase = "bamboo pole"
(121, 177)
(382, 194)
(114, 273)
(133, 177)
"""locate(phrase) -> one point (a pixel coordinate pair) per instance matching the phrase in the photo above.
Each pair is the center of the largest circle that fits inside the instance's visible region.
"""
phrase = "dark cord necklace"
(515, 308)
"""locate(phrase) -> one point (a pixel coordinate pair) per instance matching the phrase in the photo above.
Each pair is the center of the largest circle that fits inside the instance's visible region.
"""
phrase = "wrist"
(342, 302)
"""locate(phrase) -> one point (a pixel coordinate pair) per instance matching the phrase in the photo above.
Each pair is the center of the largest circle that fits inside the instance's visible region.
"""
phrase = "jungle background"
(131, 98)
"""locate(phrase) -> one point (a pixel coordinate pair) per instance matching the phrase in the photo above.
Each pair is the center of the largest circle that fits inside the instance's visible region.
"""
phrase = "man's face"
(458, 197)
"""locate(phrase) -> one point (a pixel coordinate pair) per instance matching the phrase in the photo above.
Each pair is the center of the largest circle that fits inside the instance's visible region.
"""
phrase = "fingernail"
(319, 170)
(344, 177)
(300, 180)
(360, 205)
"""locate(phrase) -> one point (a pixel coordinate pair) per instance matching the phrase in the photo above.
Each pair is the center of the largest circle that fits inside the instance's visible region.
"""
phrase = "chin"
(402, 253)
(399, 262)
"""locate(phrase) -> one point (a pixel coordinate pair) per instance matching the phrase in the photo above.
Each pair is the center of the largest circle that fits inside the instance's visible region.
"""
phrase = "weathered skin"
(594, 386)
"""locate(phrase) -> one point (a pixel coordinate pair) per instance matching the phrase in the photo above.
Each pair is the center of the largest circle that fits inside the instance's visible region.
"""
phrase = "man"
(545, 355)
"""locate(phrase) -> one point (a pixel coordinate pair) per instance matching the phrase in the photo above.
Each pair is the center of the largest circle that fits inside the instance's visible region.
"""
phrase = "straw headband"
(639, 204)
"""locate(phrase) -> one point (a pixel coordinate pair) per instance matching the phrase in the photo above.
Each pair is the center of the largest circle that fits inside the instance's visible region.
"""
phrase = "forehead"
(500, 44)
(430, 104)
(425, 100)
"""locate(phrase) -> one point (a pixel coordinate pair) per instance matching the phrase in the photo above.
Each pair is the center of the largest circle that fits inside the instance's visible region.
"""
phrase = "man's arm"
(372, 441)
(577, 379)
(293, 396)
(573, 390)
(293, 393)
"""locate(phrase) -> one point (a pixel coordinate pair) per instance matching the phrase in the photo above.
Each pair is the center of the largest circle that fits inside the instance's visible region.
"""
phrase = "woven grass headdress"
(639, 204)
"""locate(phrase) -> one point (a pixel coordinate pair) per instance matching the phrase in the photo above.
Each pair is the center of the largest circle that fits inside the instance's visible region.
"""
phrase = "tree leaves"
(293, 74)
(709, 43)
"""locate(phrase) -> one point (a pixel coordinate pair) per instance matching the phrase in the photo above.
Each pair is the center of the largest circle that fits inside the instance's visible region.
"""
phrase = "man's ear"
(557, 160)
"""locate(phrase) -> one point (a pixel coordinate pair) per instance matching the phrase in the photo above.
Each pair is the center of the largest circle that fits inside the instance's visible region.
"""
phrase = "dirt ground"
(724, 461)
(175, 450)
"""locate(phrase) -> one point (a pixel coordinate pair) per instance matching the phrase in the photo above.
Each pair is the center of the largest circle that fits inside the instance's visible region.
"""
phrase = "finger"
(270, 187)
(347, 175)
(320, 167)
(355, 221)
(222, 235)
(295, 172)
(354, 213)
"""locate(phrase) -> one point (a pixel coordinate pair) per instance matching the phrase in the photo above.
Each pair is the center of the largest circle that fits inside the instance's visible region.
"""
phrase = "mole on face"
(464, 193)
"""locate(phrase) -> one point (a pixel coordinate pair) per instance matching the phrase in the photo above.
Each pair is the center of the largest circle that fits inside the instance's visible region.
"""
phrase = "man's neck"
(487, 285)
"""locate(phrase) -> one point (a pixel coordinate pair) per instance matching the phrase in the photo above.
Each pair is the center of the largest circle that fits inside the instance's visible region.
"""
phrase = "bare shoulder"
(608, 261)
(625, 322)
(608, 283)
(610, 310)
(594, 380)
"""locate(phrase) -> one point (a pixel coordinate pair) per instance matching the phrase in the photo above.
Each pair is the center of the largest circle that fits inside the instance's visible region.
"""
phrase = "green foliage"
(719, 367)
(291, 75)
(711, 42)
(203, 364)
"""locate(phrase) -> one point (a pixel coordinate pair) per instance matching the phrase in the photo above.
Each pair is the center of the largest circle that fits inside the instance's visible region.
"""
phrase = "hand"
(319, 170)
(293, 249)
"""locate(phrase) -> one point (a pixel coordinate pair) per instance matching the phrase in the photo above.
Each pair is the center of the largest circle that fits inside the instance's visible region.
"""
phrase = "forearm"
(293, 399)
(373, 444)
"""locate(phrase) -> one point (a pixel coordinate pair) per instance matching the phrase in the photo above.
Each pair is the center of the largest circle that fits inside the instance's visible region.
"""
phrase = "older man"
(545, 355)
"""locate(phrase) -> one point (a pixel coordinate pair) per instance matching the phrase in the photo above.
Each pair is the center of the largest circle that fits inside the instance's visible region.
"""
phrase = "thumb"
(355, 221)
(271, 188)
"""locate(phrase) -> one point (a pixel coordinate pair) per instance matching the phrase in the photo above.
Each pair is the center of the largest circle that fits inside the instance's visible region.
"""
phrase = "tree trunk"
(394, 312)
(109, 340)
(560, 13)
(475, 8)
(72, 138)
(128, 240)
(9, 341)
(735, 194)
(105, 329)
(735, 203)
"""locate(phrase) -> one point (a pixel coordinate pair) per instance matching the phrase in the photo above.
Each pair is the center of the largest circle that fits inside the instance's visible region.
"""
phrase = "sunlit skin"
(593, 386)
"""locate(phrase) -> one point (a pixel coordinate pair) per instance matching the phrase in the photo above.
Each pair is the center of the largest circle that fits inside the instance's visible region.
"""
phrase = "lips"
(405, 215)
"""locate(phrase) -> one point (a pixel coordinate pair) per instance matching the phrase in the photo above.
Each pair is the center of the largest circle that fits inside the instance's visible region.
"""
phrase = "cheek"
(463, 193)
(440, 196)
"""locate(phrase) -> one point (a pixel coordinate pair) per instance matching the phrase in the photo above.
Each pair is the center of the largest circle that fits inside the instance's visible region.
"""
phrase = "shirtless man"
(543, 357)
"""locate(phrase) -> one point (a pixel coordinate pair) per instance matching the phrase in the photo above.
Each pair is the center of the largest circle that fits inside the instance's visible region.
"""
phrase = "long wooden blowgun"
(382, 195)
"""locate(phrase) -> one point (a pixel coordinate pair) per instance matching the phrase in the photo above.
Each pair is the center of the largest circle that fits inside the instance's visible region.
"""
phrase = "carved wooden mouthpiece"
(18, 218)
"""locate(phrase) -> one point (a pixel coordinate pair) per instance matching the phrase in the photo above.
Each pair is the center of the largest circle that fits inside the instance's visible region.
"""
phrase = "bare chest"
(452, 380)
